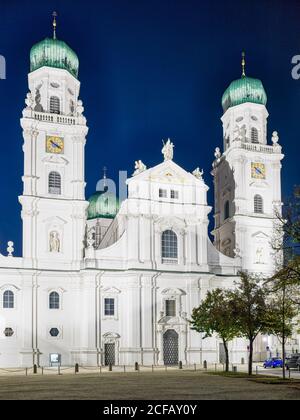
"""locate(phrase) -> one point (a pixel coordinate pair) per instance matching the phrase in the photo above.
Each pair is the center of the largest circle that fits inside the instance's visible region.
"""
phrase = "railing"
(54, 118)
(258, 148)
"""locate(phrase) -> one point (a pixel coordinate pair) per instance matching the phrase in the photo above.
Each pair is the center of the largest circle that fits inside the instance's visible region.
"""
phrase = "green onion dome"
(244, 90)
(103, 204)
(54, 53)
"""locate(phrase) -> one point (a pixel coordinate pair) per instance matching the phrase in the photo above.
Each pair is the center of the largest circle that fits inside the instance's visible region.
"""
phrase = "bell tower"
(247, 177)
(54, 132)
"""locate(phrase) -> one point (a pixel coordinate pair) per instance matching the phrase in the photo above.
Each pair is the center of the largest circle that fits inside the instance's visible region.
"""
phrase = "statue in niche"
(90, 237)
(259, 256)
(72, 107)
(54, 243)
(139, 167)
(38, 107)
(168, 150)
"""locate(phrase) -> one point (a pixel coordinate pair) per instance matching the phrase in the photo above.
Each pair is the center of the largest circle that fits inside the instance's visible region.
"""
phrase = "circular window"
(54, 332)
(8, 332)
(239, 119)
(254, 118)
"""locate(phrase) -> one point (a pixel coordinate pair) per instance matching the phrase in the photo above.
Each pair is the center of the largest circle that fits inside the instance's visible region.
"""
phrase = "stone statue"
(29, 101)
(72, 107)
(217, 153)
(275, 138)
(259, 256)
(168, 150)
(54, 242)
(38, 107)
(139, 167)
(90, 237)
(197, 173)
(237, 252)
(79, 108)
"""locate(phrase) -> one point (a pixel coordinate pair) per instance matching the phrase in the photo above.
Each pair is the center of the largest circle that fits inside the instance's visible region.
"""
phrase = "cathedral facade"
(103, 282)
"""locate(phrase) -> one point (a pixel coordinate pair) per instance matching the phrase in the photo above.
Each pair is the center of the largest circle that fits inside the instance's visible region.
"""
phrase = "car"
(292, 361)
(273, 362)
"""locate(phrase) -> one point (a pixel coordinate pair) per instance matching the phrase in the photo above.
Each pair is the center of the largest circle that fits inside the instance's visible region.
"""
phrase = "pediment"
(260, 235)
(111, 335)
(171, 321)
(167, 172)
(9, 286)
(55, 159)
(110, 290)
(172, 223)
(173, 292)
(259, 184)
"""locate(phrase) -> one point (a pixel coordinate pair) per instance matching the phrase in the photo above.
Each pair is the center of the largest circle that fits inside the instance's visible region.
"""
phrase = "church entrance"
(109, 354)
(171, 347)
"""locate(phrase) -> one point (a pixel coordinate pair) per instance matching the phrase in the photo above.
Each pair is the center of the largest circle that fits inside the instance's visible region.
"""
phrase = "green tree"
(287, 237)
(285, 283)
(248, 302)
(215, 315)
(280, 316)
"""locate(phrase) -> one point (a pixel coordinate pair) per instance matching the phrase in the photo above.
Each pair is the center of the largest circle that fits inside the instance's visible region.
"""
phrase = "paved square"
(184, 385)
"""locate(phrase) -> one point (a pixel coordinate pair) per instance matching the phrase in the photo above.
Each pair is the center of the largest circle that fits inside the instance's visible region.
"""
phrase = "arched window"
(54, 300)
(54, 105)
(226, 210)
(8, 299)
(258, 204)
(169, 246)
(254, 135)
(54, 184)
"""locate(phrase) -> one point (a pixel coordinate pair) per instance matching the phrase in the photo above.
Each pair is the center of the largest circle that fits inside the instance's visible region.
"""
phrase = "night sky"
(151, 70)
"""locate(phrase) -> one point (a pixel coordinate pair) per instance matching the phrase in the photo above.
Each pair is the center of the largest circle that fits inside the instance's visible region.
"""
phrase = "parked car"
(273, 362)
(292, 361)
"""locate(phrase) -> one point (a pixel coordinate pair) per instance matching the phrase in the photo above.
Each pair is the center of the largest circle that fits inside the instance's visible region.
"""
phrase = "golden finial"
(243, 64)
(54, 14)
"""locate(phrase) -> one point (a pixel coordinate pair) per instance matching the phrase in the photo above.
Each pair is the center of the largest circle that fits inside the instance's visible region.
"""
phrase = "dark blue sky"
(151, 70)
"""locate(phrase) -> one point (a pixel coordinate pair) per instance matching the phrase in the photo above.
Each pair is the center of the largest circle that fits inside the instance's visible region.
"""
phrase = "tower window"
(169, 246)
(254, 135)
(54, 300)
(170, 307)
(54, 105)
(226, 210)
(54, 183)
(258, 204)
(8, 299)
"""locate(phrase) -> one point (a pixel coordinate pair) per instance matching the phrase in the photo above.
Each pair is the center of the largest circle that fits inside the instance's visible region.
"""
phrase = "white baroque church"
(103, 282)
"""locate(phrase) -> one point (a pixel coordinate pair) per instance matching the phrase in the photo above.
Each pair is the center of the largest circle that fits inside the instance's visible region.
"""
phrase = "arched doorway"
(170, 347)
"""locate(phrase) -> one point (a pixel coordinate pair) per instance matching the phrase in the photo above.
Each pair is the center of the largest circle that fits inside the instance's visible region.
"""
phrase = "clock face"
(54, 144)
(258, 170)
